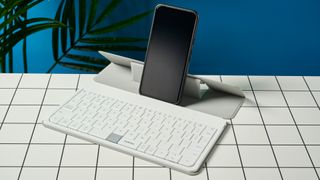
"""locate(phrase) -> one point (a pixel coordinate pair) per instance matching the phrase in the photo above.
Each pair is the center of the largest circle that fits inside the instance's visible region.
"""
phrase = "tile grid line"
(97, 161)
(305, 81)
(65, 138)
(207, 172)
(312, 163)
(34, 127)
(265, 128)
(14, 93)
(133, 158)
(62, 151)
(235, 138)
(238, 149)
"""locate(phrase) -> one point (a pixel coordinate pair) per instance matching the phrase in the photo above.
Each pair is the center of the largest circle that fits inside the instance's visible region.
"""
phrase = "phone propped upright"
(169, 50)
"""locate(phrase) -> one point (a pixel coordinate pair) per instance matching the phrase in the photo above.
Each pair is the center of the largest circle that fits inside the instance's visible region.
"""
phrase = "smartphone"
(168, 53)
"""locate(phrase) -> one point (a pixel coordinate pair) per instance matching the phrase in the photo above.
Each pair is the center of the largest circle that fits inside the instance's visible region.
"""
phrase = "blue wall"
(260, 37)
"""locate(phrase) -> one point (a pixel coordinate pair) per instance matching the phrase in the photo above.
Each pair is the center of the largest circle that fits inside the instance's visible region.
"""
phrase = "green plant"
(87, 33)
(15, 26)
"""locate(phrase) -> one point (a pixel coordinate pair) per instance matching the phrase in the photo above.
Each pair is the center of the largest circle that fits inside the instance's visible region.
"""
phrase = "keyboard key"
(70, 107)
(151, 150)
(100, 124)
(110, 128)
(161, 153)
(85, 128)
(132, 135)
(120, 131)
(187, 161)
(129, 143)
(64, 122)
(56, 118)
(174, 157)
(124, 116)
(115, 138)
(75, 125)
(143, 147)
(114, 113)
(118, 105)
(128, 108)
(100, 133)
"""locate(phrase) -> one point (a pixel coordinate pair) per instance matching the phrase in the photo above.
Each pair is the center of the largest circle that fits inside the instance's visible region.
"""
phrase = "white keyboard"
(163, 133)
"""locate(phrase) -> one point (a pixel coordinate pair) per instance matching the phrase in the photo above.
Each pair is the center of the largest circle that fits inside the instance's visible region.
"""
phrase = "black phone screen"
(168, 53)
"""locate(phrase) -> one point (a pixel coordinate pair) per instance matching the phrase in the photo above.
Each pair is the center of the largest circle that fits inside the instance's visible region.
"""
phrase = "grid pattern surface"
(275, 135)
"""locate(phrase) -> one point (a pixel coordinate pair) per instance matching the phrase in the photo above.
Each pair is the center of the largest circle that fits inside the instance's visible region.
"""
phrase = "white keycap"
(75, 125)
(174, 157)
(64, 122)
(161, 153)
(143, 147)
(121, 132)
(100, 124)
(101, 133)
(129, 143)
(187, 161)
(85, 128)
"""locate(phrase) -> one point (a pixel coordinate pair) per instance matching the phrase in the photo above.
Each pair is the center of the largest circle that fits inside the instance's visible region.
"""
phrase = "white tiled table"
(278, 139)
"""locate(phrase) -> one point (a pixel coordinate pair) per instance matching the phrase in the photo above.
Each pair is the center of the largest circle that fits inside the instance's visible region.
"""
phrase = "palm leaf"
(88, 59)
(79, 39)
(110, 40)
(93, 10)
(15, 27)
(1, 62)
(10, 53)
(108, 10)
(96, 48)
(55, 34)
(24, 47)
(120, 24)
(64, 31)
(19, 13)
(3, 55)
(82, 16)
(72, 22)
(82, 67)
(21, 34)
(25, 23)
(8, 7)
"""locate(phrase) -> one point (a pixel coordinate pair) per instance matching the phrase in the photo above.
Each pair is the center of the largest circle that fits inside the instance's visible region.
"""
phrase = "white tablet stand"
(200, 93)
